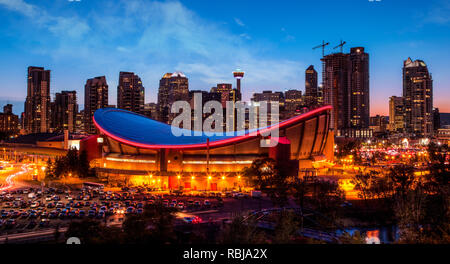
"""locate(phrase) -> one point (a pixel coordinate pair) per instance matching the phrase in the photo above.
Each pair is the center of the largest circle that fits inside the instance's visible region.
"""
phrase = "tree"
(161, 221)
(155, 225)
(93, 232)
(409, 211)
(402, 178)
(241, 232)
(74, 163)
(83, 168)
(355, 238)
(381, 188)
(270, 179)
(327, 197)
(50, 170)
(286, 228)
(363, 182)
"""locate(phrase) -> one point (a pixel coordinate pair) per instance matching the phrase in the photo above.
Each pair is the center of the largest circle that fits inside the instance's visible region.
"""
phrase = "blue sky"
(207, 39)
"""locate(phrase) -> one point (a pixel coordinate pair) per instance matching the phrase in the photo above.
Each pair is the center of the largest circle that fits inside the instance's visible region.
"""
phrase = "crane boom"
(322, 46)
(341, 45)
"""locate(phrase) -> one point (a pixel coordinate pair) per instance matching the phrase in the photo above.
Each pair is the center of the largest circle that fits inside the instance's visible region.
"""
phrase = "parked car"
(10, 223)
(192, 219)
(44, 222)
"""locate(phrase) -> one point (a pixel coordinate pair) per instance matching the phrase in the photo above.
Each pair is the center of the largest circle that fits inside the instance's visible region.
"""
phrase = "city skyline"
(273, 53)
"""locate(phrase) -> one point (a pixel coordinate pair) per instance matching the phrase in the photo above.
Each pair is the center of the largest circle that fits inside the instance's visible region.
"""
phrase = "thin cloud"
(19, 6)
(239, 22)
(439, 13)
(245, 35)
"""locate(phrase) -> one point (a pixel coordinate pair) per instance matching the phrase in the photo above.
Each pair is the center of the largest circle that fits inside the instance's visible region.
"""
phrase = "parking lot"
(32, 209)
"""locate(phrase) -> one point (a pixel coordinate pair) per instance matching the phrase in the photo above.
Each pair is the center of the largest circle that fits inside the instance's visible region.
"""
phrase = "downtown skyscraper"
(172, 87)
(64, 111)
(311, 93)
(130, 92)
(418, 98)
(359, 88)
(396, 114)
(346, 88)
(95, 97)
(37, 103)
(9, 122)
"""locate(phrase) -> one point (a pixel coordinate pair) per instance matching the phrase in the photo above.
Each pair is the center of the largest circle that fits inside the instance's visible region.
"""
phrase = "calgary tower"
(238, 74)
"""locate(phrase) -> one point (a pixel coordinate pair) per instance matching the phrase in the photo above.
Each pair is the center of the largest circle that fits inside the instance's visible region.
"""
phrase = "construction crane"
(340, 45)
(322, 46)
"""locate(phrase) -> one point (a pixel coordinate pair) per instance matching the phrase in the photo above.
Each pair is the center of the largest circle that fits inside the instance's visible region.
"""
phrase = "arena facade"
(137, 150)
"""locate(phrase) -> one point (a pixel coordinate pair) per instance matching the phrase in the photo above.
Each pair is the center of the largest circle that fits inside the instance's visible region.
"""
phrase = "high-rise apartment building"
(336, 86)
(172, 87)
(37, 104)
(269, 97)
(292, 100)
(436, 120)
(226, 92)
(396, 114)
(9, 122)
(95, 97)
(418, 98)
(64, 111)
(346, 88)
(379, 124)
(7, 109)
(150, 110)
(311, 87)
(130, 92)
(359, 88)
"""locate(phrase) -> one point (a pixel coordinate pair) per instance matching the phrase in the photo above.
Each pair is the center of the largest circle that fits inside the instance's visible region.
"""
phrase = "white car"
(34, 204)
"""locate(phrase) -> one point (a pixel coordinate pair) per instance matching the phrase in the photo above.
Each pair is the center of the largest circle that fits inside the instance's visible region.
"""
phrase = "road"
(9, 180)
(31, 236)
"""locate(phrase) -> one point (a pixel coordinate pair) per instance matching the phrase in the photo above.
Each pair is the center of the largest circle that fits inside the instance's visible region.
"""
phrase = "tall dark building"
(172, 87)
(346, 88)
(95, 97)
(7, 109)
(37, 104)
(205, 97)
(150, 110)
(269, 97)
(292, 101)
(396, 114)
(64, 112)
(336, 86)
(130, 92)
(436, 119)
(226, 92)
(311, 93)
(418, 96)
(359, 88)
(9, 122)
